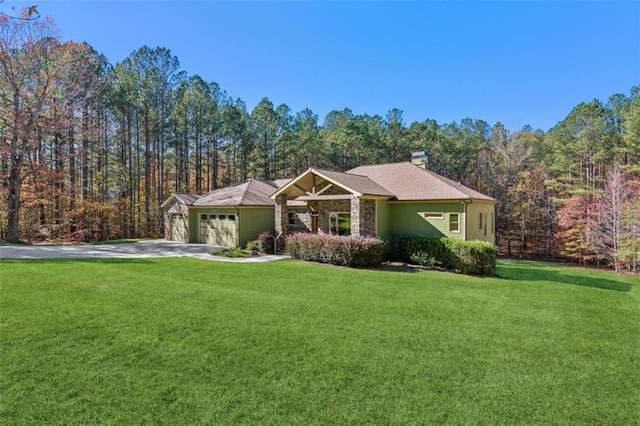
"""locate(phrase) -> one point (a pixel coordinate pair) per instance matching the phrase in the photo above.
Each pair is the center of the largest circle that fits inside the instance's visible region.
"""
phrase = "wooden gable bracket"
(324, 189)
(302, 189)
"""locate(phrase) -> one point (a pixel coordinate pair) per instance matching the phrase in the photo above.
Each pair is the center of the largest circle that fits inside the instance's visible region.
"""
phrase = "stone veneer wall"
(328, 206)
(281, 216)
(363, 216)
(367, 218)
(303, 221)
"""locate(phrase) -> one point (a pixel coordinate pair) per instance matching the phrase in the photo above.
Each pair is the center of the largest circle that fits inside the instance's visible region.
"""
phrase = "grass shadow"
(538, 271)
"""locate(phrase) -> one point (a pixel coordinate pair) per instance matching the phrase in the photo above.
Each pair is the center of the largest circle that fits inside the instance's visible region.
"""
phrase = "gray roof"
(408, 182)
(187, 199)
(250, 192)
(361, 184)
(279, 183)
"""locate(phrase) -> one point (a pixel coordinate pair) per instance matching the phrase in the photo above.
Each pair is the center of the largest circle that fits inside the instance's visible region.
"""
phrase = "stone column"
(282, 214)
(355, 216)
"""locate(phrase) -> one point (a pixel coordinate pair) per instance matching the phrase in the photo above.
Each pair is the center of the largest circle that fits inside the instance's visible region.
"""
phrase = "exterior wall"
(488, 230)
(302, 220)
(409, 218)
(281, 214)
(194, 221)
(382, 218)
(324, 209)
(176, 207)
(366, 213)
(252, 221)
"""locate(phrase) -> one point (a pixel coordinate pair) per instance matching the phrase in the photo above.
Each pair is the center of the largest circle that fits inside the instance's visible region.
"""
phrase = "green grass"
(177, 341)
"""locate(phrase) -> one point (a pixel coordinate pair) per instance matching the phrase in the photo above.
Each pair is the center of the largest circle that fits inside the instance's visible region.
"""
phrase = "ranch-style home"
(377, 200)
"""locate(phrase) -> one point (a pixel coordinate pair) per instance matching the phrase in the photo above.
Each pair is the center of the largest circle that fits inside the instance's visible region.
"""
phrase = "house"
(384, 199)
(377, 200)
(229, 216)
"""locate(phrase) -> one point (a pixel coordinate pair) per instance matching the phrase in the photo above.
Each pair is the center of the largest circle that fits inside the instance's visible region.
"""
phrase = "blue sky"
(514, 62)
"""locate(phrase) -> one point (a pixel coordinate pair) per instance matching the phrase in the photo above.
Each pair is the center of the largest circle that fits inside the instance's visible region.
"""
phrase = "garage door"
(218, 229)
(178, 228)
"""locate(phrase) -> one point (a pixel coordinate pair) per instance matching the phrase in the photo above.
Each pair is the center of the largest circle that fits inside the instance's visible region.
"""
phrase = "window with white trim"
(433, 215)
(454, 222)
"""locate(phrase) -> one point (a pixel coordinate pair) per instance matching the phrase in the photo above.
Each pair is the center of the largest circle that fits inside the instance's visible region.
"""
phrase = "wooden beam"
(302, 189)
(317, 197)
(324, 189)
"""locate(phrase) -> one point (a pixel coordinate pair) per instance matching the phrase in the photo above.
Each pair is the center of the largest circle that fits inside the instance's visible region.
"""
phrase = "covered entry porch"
(320, 201)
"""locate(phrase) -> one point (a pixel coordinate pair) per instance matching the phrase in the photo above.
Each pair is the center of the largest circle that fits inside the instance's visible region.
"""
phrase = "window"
(454, 222)
(485, 223)
(232, 217)
(340, 223)
(292, 218)
(222, 217)
(433, 215)
(492, 223)
(203, 217)
(212, 217)
(480, 222)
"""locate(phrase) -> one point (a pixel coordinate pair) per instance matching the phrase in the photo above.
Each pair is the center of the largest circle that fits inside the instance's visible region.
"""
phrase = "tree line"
(90, 150)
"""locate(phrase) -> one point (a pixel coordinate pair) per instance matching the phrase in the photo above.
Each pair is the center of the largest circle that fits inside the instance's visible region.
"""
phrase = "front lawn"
(185, 341)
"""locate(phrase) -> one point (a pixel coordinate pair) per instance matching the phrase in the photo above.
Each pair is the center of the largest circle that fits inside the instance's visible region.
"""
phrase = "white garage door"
(218, 229)
(178, 228)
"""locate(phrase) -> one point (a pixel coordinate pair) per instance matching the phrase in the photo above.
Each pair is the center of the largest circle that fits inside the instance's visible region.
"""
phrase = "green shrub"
(253, 245)
(236, 252)
(219, 252)
(336, 250)
(425, 259)
(472, 257)
(266, 242)
(229, 252)
(413, 248)
(467, 257)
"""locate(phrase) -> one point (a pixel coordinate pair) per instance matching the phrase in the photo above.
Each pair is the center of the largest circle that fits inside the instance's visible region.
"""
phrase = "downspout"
(238, 226)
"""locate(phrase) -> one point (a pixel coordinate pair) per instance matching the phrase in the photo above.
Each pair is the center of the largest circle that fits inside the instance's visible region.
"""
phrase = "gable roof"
(279, 183)
(250, 192)
(184, 198)
(409, 182)
(357, 185)
(355, 182)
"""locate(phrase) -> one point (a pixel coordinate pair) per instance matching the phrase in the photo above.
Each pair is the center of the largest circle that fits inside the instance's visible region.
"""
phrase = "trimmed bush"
(266, 242)
(472, 257)
(467, 257)
(418, 249)
(336, 250)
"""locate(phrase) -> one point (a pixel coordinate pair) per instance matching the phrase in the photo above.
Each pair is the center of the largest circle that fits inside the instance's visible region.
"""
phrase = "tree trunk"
(85, 151)
(13, 201)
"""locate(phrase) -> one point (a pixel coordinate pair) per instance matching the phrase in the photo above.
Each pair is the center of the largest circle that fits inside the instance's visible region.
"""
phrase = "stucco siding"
(428, 219)
(481, 229)
(382, 219)
(252, 221)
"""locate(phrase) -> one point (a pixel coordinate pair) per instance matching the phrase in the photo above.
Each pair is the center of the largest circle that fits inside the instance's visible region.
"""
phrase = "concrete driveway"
(141, 249)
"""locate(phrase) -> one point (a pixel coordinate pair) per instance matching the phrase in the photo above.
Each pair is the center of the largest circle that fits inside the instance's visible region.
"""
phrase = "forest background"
(89, 151)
